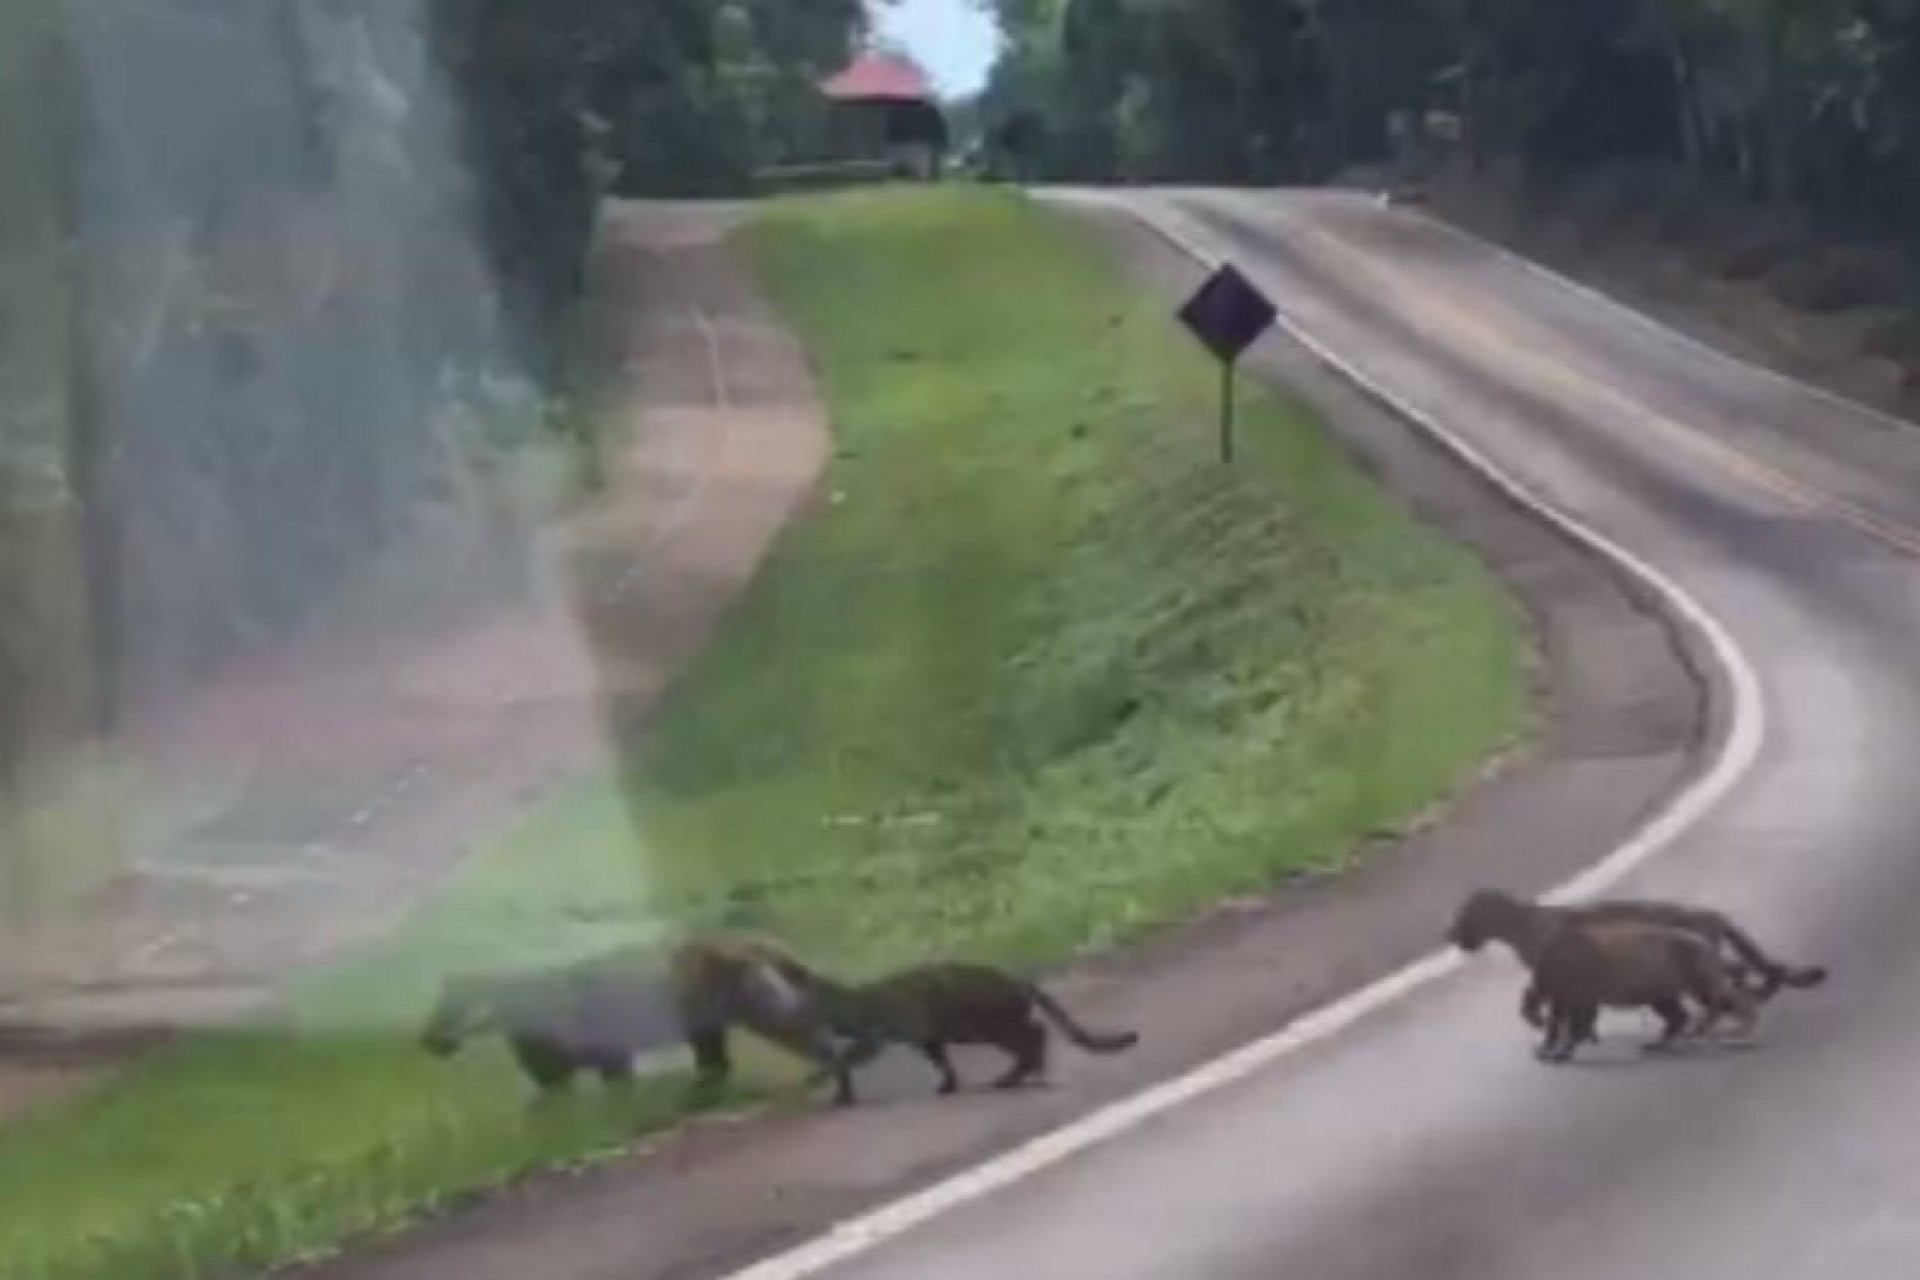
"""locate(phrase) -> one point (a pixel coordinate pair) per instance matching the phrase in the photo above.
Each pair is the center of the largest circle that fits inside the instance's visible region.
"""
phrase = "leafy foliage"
(568, 98)
(1810, 102)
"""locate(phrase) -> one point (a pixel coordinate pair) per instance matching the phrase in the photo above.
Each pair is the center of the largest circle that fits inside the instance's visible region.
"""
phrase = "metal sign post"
(1228, 314)
(1226, 411)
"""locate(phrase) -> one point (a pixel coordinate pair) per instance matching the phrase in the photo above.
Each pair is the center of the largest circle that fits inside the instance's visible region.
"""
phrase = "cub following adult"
(933, 1006)
(1581, 965)
(598, 1014)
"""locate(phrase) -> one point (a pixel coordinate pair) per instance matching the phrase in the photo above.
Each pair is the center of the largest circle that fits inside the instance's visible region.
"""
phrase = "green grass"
(1042, 673)
(1037, 674)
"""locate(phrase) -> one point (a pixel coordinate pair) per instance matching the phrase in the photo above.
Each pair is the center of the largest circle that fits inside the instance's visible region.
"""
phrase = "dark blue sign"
(1228, 314)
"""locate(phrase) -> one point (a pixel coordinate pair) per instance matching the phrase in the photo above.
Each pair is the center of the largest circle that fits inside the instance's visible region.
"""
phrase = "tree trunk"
(1776, 141)
(1687, 114)
(89, 460)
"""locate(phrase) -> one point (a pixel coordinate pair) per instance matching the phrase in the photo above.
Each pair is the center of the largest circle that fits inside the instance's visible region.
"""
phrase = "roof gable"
(880, 76)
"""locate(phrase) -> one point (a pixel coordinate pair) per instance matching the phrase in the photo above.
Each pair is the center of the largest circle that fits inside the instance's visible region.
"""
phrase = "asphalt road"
(1425, 1141)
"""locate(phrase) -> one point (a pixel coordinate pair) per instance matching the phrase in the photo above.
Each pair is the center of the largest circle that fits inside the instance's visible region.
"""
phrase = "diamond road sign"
(1228, 314)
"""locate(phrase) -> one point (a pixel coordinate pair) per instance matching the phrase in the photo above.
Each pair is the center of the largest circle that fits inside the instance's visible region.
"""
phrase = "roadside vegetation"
(1035, 675)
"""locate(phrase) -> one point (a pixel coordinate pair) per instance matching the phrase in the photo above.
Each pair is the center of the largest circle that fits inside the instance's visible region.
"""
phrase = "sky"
(954, 40)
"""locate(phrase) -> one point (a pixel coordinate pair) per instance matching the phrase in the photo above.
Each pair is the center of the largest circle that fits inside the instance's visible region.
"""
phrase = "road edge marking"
(1746, 705)
(1738, 749)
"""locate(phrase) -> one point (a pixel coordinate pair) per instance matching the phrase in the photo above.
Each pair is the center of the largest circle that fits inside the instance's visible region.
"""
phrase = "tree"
(1810, 103)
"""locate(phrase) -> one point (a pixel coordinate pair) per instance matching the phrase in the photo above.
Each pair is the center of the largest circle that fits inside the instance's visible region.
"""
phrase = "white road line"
(1741, 747)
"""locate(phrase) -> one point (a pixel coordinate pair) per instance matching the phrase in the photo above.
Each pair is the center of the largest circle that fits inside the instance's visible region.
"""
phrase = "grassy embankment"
(1036, 674)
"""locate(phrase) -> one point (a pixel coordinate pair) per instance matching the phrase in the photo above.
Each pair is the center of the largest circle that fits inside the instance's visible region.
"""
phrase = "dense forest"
(569, 98)
(1810, 104)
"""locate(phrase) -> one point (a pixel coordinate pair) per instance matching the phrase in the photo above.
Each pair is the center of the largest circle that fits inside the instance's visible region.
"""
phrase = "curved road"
(1425, 1141)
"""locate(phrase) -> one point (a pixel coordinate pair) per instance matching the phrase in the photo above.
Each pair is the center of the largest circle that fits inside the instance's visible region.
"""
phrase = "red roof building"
(889, 110)
(880, 77)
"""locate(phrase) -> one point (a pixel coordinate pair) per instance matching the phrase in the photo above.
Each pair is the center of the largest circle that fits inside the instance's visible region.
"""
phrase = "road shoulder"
(1623, 721)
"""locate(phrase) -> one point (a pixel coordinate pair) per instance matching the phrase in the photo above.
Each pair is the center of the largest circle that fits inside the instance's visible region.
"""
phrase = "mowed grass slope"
(1035, 674)
(1041, 672)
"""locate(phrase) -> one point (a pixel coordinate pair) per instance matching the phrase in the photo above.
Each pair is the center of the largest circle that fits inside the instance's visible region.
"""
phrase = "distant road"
(1425, 1143)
